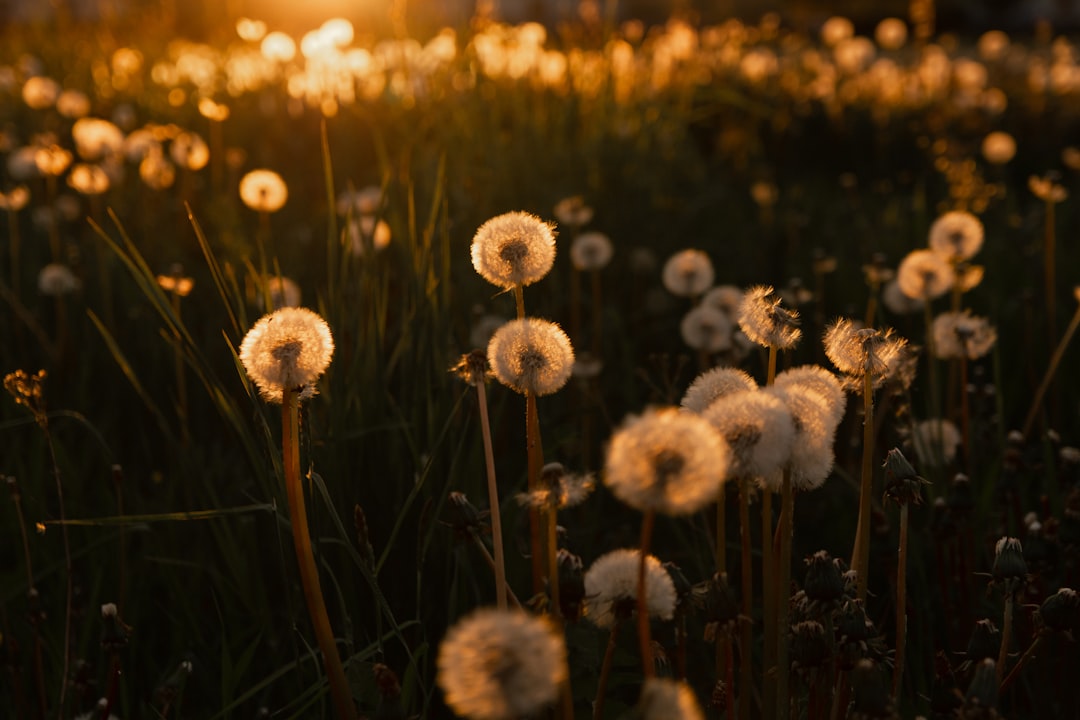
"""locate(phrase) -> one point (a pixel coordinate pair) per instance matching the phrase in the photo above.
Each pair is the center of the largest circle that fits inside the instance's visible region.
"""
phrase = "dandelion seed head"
(857, 351)
(288, 348)
(573, 212)
(897, 302)
(514, 248)
(688, 273)
(962, 335)
(998, 148)
(96, 138)
(15, 199)
(88, 179)
(666, 699)
(820, 381)
(726, 298)
(935, 441)
(666, 460)
(766, 321)
(530, 355)
(811, 458)
(56, 279)
(591, 251)
(956, 235)
(1046, 189)
(713, 384)
(611, 588)
(263, 191)
(706, 328)
(759, 430)
(284, 292)
(925, 275)
(501, 665)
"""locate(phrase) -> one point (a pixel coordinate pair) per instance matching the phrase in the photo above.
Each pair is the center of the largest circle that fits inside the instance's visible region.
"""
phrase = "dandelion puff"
(484, 326)
(962, 335)
(859, 351)
(514, 248)
(531, 355)
(713, 384)
(591, 251)
(284, 292)
(726, 298)
(688, 273)
(956, 235)
(765, 321)
(573, 212)
(706, 328)
(822, 382)
(667, 461)
(570, 489)
(897, 302)
(811, 458)
(611, 584)
(56, 279)
(288, 348)
(935, 441)
(666, 699)
(759, 430)
(925, 275)
(501, 665)
(263, 191)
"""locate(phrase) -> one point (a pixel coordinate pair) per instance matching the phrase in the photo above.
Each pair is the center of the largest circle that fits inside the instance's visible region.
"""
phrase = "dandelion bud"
(114, 633)
(1009, 567)
(499, 664)
(1061, 611)
(902, 485)
(664, 699)
(530, 355)
(824, 584)
(611, 588)
(513, 249)
(465, 519)
(288, 348)
(766, 321)
(666, 460)
(809, 646)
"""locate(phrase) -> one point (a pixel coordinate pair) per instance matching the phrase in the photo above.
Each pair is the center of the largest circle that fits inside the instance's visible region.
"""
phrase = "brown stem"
(535, 453)
(309, 573)
(513, 599)
(1015, 672)
(783, 603)
(597, 314)
(769, 591)
(644, 634)
(1051, 370)
(493, 498)
(43, 423)
(1006, 638)
(722, 650)
(605, 672)
(965, 413)
(901, 604)
(860, 558)
(746, 639)
(551, 512)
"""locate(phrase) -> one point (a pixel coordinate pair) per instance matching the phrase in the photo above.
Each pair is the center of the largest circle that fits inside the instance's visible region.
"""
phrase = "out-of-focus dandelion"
(727, 298)
(368, 230)
(891, 33)
(13, 201)
(897, 302)
(925, 275)
(688, 273)
(73, 104)
(666, 699)
(501, 665)
(283, 292)
(278, 47)
(155, 169)
(666, 461)
(190, 151)
(1051, 193)
(714, 384)
(935, 441)
(52, 160)
(96, 139)
(40, 92)
(611, 585)
(367, 200)
(56, 279)
(956, 235)
(263, 191)
(706, 329)
(591, 251)
(962, 335)
(998, 147)
(836, 29)
(573, 212)
(88, 179)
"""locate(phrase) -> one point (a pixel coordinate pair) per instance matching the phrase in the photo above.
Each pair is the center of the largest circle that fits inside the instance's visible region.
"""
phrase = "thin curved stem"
(605, 672)
(493, 498)
(860, 557)
(901, 604)
(644, 632)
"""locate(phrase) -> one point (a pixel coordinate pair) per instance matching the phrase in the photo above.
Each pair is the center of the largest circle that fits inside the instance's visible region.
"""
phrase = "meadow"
(759, 332)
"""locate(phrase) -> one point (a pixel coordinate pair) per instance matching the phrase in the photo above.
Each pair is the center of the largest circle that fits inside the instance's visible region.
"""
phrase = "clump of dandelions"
(765, 321)
(666, 699)
(666, 461)
(531, 355)
(611, 586)
(501, 665)
(513, 249)
(288, 348)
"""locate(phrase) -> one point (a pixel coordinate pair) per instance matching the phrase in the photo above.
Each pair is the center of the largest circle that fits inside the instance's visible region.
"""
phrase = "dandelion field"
(758, 336)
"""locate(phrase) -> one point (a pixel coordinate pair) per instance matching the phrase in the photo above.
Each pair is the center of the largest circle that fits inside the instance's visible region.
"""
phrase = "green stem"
(305, 557)
(493, 499)
(644, 633)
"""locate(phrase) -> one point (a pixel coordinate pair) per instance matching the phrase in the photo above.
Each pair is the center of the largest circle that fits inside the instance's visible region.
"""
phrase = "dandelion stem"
(768, 576)
(860, 557)
(1006, 638)
(551, 512)
(783, 603)
(644, 635)
(746, 638)
(1015, 672)
(965, 413)
(44, 424)
(1049, 279)
(309, 573)
(723, 645)
(1051, 370)
(901, 604)
(512, 598)
(493, 498)
(39, 668)
(535, 453)
(605, 672)
(597, 314)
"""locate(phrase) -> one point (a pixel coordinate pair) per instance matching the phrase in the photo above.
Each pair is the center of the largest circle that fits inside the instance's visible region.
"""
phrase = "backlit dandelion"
(956, 235)
(766, 321)
(859, 352)
(820, 381)
(573, 212)
(288, 348)
(759, 430)
(190, 151)
(727, 298)
(925, 275)
(666, 461)
(688, 273)
(962, 335)
(611, 588)
(531, 355)
(263, 191)
(998, 148)
(96, 138)
(15, 199)
(713, 384)
(897, 302)
(40, 92)
(811, 457)
(501, 665)
(707, 329)
(88, 179)
(514, 249)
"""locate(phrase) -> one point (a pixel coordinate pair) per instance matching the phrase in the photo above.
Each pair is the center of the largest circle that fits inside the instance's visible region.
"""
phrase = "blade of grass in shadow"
(238, 323)
(163, 517)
